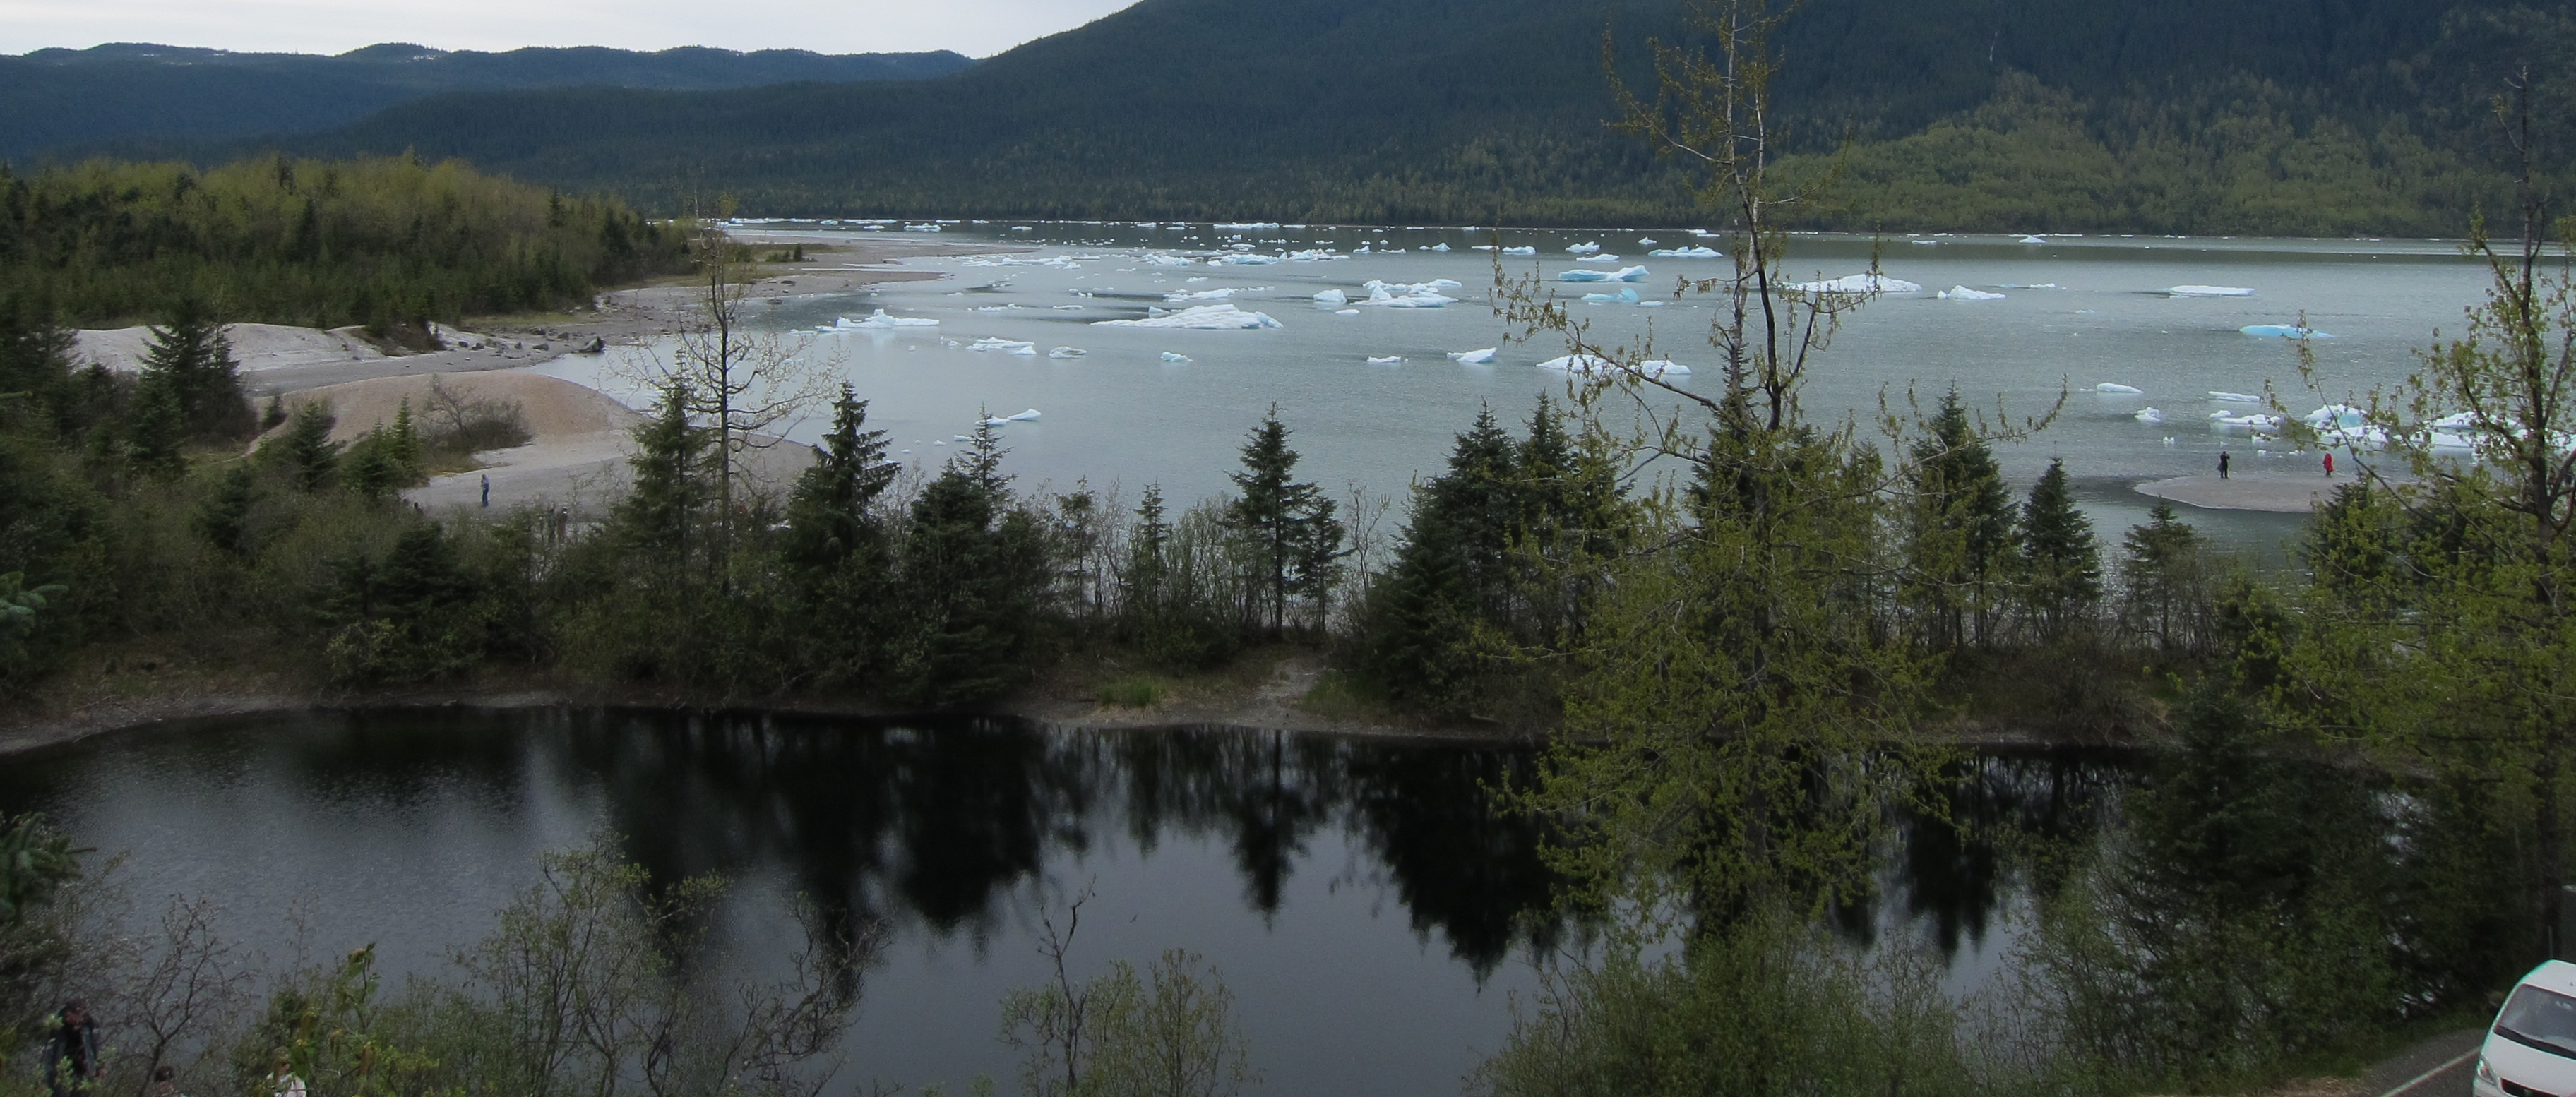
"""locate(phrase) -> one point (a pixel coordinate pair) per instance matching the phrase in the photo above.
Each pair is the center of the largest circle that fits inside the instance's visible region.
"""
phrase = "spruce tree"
(307, 448)
(1961, 536)
(830, 512)
(670, 484)
(369, 467)
(2161, 577)
(221, 515)
(189, 354)
(1288, 525)
(2061, 562)
(1453, 571)
(973, 574)
(155, 429)
(404, 446)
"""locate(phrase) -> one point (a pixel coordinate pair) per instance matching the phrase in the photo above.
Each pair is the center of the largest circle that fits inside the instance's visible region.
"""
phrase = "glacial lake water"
(1372, 914)
(1121, 416)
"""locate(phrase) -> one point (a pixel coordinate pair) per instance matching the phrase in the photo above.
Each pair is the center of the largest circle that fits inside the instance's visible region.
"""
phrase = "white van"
(2531, 1048)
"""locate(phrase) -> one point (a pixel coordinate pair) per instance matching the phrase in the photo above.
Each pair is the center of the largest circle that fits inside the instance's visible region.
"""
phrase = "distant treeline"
(2240, 116)
(383, 242)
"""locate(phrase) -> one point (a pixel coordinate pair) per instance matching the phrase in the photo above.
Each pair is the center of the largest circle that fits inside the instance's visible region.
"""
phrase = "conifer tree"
(829, 514)
(1961, 535)
(1288, 524)
(402, 443)
(189, 355)
(2061, 562)
(659, 511)
(370, 469)
(155, 430)
(974, 569)
(2162, 581)
(307, 448)
(1453, 572)
(220, 516)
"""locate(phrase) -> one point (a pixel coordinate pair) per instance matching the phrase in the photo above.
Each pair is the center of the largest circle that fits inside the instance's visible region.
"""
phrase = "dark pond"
(1373, 916)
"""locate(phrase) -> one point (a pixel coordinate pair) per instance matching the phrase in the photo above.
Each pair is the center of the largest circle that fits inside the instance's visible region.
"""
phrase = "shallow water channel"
(1374, 917)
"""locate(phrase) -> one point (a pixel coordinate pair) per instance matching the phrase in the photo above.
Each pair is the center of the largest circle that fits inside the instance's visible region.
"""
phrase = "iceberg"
(1410, 295)
(1346, 312)
(1582, 249)
(1593, 363)
(1858, 284)
(1171, 357)
(1067, 352)
(1247, 226)
(1623, 274)
(1332, 297)
(880, 320)
(1599, 257)
(1645, 241)
(2208, 291)
(2117, 389)
(1006, 346)
(2284, 331)
(1246, 260)
(1166, 259)
(921, 228)
(1203, 318)
(2034, 239)
(2149, 415)
(1389, 360)
(1686, 253)
(2252, 419)
(1520, 251)
(1437, 247)
(1029, 416)
(1474, 357)
(2234, 397)
(1177, 297)
(2334, 415)
(1963, 293)
(1483, 247)
(1627, 295)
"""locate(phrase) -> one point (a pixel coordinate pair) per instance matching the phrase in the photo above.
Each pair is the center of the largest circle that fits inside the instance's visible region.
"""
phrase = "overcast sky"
(977, 28)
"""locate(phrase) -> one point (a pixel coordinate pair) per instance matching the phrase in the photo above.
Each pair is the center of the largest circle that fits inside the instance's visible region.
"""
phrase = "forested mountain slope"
(58, 97)
(2286, 116)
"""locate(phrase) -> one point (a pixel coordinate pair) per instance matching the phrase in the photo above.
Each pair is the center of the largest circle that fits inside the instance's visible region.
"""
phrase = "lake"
(1374, 917)
(1122, 416)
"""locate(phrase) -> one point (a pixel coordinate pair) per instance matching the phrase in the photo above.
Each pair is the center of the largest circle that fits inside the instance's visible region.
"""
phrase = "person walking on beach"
(2222, 464)
(2329, 462)
(71, 1050)
(487, 489)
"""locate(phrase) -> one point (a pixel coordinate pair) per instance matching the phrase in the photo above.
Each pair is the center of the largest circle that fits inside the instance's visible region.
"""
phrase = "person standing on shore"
(487, 489)
(71, 1051)
(2222, 464)
(2329, 462)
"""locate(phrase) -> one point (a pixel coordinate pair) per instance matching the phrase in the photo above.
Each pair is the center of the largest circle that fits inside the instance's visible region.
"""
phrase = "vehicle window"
(2540, 1018)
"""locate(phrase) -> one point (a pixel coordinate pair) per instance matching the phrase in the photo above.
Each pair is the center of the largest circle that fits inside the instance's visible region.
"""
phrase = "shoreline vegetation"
(1738, 670)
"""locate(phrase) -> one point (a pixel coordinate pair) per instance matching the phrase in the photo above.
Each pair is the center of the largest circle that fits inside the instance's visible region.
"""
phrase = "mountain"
(61, 97)
(2279, 116)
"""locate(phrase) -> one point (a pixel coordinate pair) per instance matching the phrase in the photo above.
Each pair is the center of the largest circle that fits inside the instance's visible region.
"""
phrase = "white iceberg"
(1645, 241)
(1520, 251)
(2284, 331)
(1006, 346)
(1243, 260)
(1029, 416)
(1166, 259)
(1346, 312)
(1858, 284)
(1963, 293)
(1389, 360)
(2234, 397)
(1067, 352)
(1332, 297)
(1203, 318)
(2252, 419)
(1474, 357)
(1437, 247)
(2149, 415)
(1593, 363)
(2334, 415)
(1410, 295)
(2117, 389)
(2208, 291)
(1623, 274)
(1171, 357)
(1600, 257)
(1627, 295)
(880, 320)
(1247, 226)
(2034, 239)
(1582, 249)
(1686, 253)
(1483, 247)
(1180, 297)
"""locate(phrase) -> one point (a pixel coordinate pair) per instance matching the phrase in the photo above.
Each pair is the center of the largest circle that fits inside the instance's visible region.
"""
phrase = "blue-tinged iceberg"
(1203, 318)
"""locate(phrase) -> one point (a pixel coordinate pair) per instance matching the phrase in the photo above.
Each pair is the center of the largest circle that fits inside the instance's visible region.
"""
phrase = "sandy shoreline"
(2273, 494)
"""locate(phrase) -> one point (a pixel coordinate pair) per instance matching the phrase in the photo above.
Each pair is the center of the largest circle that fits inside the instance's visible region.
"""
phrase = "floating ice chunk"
(2034, 239)
(1963, 293)
(880, 320)
(1623, 274)
(1582, 249)
(1166, 259)
(1437, 247)
(1602, 257)
(1067, 352)
(1332, 297)
(2208, 291)
(1686, 253)
(2251, 419)
(1023, 228)
(921, 228)
(1593, 363)
(1346, 312)
(1482, 247)
(1858, 284)
(2234, 397)
(1474, 357)
(2170, 440)
(2149, 415)
(1626, 296)
(1645, 241)
(1006, 346)
(1389, 360)
(1223, 317)
(2117, 389)
(1029, 416)
(2033, 285)
(1520, 251)
(1171, 357)
(1247, 226)
(2284, 331)
(959, 438)
(1410, 295)
(1177, 297)
(1244, 260)
(2334, 415)
(1704, 233)
(1313, 255)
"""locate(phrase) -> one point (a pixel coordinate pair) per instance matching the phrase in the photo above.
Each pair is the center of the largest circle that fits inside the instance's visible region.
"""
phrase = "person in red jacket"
(2329, 462)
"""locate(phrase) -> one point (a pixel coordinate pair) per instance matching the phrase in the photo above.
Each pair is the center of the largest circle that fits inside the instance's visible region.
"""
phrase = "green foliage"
(2061, 564)
(974, 570)
(388, 243)
(20, 606)
(306, 450)
(1134, 691)
(35, 861)
(2166, 584)
(1288, 524)
(1961, 539)
(1170, 1032)
(188, 358)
